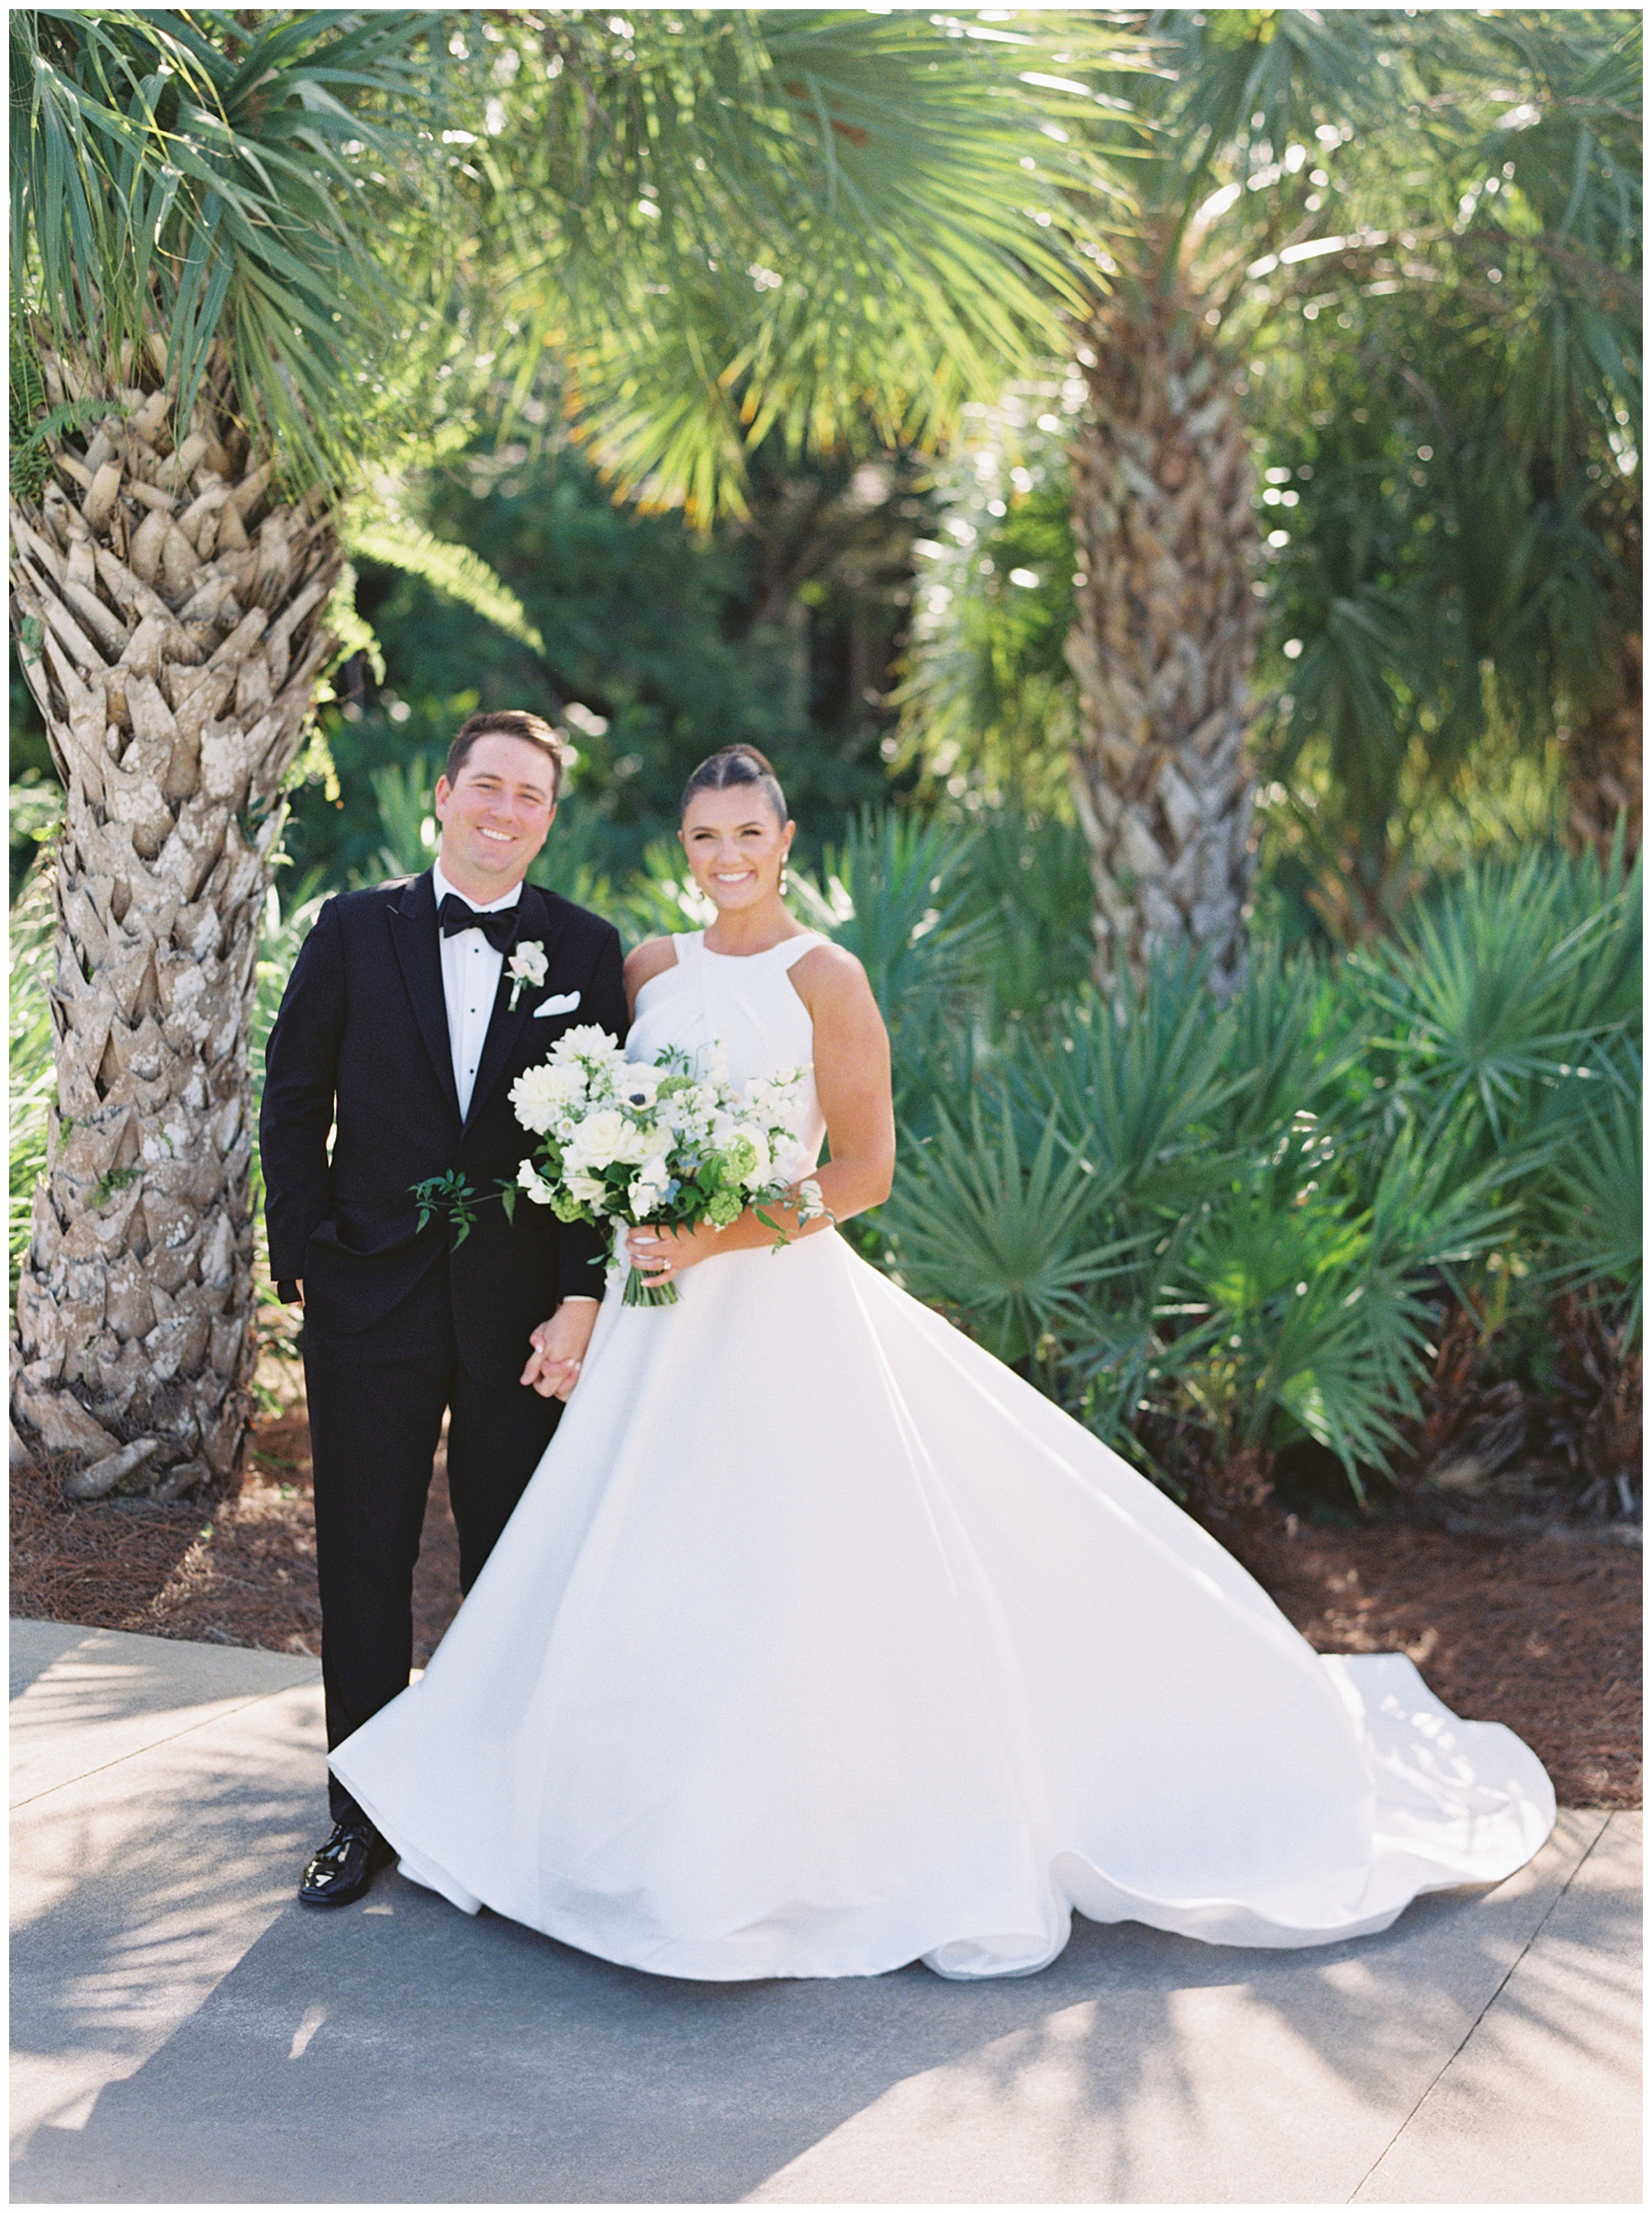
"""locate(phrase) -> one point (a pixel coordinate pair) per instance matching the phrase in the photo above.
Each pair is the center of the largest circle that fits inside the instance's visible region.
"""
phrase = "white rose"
(600, 1138)
(588, 1189)
(640, 1139)
(528, 962)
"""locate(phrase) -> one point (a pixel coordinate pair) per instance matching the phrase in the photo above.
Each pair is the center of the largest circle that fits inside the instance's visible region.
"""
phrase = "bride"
(821, 1643)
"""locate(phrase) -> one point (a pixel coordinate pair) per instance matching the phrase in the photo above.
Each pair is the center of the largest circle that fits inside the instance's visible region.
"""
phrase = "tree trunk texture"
(1163, 641)
(170, 621)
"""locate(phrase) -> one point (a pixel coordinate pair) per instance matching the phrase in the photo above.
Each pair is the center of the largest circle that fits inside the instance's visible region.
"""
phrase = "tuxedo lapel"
(418, 941)
(539, 920)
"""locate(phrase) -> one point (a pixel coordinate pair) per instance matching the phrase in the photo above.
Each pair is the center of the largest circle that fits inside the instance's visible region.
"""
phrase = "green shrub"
(893, 898)
(1243, 1226)
(1006, 1241)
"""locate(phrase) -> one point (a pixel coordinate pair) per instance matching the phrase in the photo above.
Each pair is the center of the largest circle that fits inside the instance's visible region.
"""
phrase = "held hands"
(659, 1253)
(559, 1349)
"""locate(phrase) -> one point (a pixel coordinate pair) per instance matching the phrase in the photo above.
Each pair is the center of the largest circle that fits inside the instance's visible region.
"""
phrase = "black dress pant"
(377, 1399)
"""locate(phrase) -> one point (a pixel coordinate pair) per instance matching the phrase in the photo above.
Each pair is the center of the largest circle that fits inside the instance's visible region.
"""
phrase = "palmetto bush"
(1025, 880)
(1497, 993)
(1212, 1232)
(893, 896)
(1008, 1236)
(1590, 1197)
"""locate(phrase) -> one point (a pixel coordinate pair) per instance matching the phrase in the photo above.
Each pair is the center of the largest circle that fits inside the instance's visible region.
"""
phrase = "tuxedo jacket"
(361, 1049)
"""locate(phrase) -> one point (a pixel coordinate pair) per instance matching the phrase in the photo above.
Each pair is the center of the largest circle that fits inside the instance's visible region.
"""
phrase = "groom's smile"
(494, 816)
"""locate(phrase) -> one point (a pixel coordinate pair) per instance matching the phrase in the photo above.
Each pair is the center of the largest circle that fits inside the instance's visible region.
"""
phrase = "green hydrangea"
(726, 1206)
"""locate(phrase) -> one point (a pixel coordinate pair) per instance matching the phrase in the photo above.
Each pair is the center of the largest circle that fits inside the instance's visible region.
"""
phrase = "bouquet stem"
(639, 1291)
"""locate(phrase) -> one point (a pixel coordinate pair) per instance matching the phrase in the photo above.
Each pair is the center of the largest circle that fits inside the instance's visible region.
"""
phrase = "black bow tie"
(499, 928)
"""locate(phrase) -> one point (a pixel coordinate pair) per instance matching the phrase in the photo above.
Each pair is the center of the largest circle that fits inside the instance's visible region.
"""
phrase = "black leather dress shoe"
(344, 1867)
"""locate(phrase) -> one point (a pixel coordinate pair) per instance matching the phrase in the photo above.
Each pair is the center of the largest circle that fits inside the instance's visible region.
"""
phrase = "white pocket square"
(561, 1002)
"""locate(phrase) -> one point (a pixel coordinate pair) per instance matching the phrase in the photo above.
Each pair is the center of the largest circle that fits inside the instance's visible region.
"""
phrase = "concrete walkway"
(187, 2032)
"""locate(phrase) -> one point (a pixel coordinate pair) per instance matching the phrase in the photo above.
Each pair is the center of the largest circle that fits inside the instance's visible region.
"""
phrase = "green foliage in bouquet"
(669, 1141)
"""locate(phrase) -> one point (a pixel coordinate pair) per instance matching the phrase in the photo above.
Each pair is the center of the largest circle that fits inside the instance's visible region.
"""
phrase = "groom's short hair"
(507, 722)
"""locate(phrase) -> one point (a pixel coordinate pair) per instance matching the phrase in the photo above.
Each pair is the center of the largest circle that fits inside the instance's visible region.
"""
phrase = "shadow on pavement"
(397, 2052)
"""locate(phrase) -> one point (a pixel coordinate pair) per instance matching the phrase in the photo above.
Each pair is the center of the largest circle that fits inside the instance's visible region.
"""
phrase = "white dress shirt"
(470, 984)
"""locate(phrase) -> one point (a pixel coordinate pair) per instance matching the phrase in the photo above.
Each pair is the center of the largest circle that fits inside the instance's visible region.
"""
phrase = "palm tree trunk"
(1163, 639)
(170, 620)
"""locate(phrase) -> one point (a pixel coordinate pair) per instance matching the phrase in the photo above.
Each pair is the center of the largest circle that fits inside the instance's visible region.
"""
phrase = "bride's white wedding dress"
(820, 1643)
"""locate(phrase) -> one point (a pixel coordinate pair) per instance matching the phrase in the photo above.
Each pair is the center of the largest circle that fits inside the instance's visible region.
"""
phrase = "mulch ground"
(239, 1570)
(1541, 1630)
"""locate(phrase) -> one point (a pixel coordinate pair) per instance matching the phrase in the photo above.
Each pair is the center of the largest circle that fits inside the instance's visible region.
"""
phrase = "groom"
(410, 1011)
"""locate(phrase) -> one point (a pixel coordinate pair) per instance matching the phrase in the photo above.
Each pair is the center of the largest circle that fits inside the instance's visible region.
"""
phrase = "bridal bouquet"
(669, 1141)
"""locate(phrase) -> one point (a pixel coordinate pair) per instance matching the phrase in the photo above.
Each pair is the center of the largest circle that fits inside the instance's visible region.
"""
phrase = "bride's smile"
(737, 846)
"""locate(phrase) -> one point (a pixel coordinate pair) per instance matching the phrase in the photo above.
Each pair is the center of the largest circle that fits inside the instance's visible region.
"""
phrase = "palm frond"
(893, 900)
(176, 177)
(376, 533)
(403, 792)
(1026, 880)
(1138, 1083)
(1291, 1046)
(1495, 988)
(1593, 1202)
(1002, 1240)
(802, 224)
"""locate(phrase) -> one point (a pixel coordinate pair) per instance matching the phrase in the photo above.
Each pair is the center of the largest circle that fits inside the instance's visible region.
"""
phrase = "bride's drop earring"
(783, 861)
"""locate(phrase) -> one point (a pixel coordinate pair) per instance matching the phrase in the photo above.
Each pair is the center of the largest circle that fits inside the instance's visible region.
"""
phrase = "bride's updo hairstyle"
(736, 765)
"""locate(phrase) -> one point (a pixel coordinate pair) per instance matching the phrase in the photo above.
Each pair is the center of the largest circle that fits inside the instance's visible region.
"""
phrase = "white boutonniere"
(526, 965)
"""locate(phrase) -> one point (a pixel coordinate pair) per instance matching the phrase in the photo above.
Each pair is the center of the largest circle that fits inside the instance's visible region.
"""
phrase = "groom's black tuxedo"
(360, 1045)
(400, 1324)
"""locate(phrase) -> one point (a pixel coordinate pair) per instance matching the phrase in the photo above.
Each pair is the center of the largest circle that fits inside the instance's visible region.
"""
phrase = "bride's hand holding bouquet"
(669, 1149)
